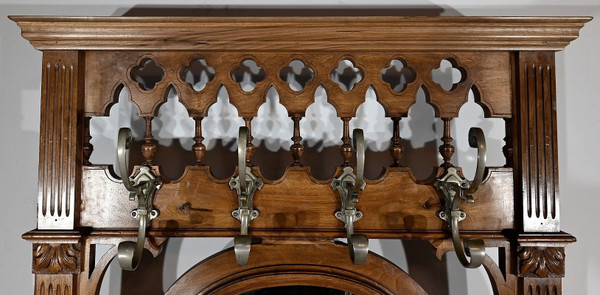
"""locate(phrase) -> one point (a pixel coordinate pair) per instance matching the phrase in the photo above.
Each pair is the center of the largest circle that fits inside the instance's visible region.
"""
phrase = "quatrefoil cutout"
(448, 74)
(398, 75)
(296, 74)
(346, 75)
(147, 74)
(248, 73)
(198, 74)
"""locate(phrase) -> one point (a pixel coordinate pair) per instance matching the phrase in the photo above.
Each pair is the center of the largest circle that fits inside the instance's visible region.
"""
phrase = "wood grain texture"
(537, 148)
(316, 264)
(61, 144)
(310, 33)
(296, 203)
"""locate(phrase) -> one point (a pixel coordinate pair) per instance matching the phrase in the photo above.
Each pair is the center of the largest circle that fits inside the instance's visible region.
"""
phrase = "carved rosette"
(56, 258)
(541, 262)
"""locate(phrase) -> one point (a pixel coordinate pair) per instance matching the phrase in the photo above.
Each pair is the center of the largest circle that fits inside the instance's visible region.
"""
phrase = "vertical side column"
(61, 137)
(541, 245)
(57, 261)
(536, 158)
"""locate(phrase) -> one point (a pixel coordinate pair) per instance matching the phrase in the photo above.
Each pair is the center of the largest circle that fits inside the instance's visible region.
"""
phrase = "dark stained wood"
(297, 148)
(199, 148)
(149, 146)
(396, 148)
(250, 148)
(447, 149)
(346, 148)
(88, 148)
(508, 149)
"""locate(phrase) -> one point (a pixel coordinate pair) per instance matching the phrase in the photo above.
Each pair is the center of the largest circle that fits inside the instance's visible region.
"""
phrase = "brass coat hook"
(455, 188)
(142, 185)
(348, 185)
(245, 185)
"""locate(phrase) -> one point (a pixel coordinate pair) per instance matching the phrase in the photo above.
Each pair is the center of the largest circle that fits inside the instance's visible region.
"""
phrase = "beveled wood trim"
(361, 33)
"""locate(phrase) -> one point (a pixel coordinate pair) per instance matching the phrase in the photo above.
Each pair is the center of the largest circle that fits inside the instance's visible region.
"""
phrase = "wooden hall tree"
(508, 62)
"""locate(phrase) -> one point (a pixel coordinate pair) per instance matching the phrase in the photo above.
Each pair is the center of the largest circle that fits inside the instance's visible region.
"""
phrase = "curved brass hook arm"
(473, 248)
(245, 185)
(143, 186)
(455, 189)
(348, 185)
(477, 140)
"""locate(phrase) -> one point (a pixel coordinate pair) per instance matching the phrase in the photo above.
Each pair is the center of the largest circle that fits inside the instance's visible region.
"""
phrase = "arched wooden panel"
(314, 264)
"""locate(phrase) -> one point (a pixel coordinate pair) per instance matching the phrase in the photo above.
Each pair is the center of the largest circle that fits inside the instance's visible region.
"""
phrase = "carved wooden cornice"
(361, 33)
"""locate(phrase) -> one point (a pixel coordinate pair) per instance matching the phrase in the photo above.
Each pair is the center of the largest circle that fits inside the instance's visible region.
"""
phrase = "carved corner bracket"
(56, 258)
(541, 262)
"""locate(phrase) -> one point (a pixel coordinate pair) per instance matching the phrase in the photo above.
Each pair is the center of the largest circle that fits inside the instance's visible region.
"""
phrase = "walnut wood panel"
(315, 264)
(488, 72)
(297, 202)
(536, 156)
(61, 132)
(245, 34)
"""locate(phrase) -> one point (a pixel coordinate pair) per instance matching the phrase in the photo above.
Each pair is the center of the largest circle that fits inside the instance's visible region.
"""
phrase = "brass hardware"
(348, 185)
(455, 188)
(142, 185)
(245, 191)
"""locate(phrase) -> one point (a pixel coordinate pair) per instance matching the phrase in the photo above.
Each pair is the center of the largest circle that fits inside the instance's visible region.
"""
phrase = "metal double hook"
(245, 185)
(142, 186)
(348, 185)
(455, 189)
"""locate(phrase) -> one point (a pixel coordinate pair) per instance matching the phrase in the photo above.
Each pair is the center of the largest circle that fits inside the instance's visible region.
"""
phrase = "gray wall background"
(578, 90)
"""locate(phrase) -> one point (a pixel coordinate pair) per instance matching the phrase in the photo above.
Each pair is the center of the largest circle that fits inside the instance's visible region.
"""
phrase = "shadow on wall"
(321, 129)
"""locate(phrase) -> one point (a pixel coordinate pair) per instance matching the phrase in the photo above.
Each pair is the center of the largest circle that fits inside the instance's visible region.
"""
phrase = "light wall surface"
(578, 103)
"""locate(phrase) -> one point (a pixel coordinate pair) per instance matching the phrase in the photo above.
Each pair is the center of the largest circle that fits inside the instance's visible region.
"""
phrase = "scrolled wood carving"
(541, 262)
(56, 258)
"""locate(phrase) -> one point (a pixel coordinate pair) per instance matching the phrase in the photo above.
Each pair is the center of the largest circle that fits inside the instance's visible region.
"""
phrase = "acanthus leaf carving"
(56, 258)
(541, 262)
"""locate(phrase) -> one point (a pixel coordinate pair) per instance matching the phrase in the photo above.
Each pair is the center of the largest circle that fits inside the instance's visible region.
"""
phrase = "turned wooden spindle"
(508, 149)
(149, 147)
(346, 148)
(250, 148)
(396, 149)
(297, 149)
(199, 148)
(446, 149)
(88, 148)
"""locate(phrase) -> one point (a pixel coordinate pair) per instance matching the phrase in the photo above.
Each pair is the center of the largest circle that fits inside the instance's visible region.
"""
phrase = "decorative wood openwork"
(508, 63)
